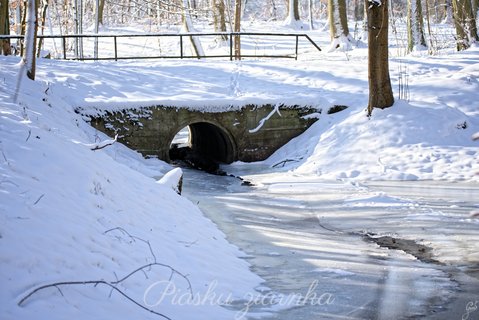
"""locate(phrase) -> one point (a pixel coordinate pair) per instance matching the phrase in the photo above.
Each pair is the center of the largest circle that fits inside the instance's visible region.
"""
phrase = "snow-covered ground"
(72, 214)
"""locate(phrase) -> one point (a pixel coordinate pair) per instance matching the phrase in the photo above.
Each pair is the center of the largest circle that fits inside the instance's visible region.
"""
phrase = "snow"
(69, 213)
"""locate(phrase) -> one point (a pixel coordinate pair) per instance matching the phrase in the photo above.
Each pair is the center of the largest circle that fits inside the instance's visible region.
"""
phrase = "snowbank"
(72, 214)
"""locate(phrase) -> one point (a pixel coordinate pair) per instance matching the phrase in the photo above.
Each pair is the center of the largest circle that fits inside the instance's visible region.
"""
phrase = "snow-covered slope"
(68, 213)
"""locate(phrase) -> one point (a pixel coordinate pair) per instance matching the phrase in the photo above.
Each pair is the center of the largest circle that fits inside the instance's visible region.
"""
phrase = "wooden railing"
(181, 36)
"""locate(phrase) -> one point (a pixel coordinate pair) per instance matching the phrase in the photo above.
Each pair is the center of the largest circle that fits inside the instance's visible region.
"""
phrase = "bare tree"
(237, 28)
(29, 58)
(43, 23)
(293, 12)
(380, 90)
(465, 22)
(338, 25)
(188, 27)
(415, 26)
(4, 27)
(219, 19)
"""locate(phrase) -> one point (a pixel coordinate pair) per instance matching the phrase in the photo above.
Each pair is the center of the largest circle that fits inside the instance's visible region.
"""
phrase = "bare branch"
(113, 284)
(104, 144)
(95, 283)
(133, 238)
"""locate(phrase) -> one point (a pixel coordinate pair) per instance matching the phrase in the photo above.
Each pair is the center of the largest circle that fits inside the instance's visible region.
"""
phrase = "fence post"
(64, 45)
(181, 46)
(296, 52)
(116, 48)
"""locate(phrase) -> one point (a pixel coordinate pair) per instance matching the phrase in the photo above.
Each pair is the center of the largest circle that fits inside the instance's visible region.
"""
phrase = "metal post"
(64, 44)
(296, 52)
(116, 49)
(181, 46)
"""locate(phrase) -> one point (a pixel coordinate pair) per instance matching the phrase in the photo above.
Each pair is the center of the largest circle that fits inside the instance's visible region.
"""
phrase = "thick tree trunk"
(29, 58)
(338, 25)
(415, 26)
(4, 28)
(293, 18)
(466, 28)
(293, 10)
(380, 90)
(219, 18)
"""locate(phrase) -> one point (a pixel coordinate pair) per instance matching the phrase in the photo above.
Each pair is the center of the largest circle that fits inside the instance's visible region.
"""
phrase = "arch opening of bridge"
(206, 140)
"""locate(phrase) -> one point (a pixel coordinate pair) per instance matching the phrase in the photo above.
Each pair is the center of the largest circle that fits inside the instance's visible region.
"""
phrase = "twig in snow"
(155, 263)
(38, 200)
(5, 158)
(95, 283)
(283, 163)
(29, 134)
(133, 238)
(104, 144)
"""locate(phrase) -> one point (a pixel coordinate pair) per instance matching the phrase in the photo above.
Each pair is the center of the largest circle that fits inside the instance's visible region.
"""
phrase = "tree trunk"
(42, 27)
(4, 27)
(293, 10)
(310, 15)
(101, 9)
(188, 27)
(380, 90)
(359, 10)
(415, 26)
(338, 25)
(466, 28)
(29, 58)
(237, 28)
(219, 19)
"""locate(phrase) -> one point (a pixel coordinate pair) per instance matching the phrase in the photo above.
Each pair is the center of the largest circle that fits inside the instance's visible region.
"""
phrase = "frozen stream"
(378, 250)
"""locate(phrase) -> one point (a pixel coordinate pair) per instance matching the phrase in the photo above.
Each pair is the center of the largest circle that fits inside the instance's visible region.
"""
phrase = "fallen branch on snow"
(103, 144)
(113, 284)
(95, 283)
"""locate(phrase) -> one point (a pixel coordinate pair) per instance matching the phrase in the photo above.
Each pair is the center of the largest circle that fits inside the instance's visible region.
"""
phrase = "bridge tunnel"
(205, 140)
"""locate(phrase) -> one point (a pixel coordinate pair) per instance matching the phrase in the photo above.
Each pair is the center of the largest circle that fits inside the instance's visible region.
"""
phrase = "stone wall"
(225, 136)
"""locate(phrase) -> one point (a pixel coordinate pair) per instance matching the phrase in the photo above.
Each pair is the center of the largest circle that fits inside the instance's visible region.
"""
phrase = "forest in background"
(372, 17)
(88, 16)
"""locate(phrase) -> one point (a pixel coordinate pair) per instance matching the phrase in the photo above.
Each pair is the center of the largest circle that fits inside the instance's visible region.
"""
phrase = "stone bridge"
(250, 133)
